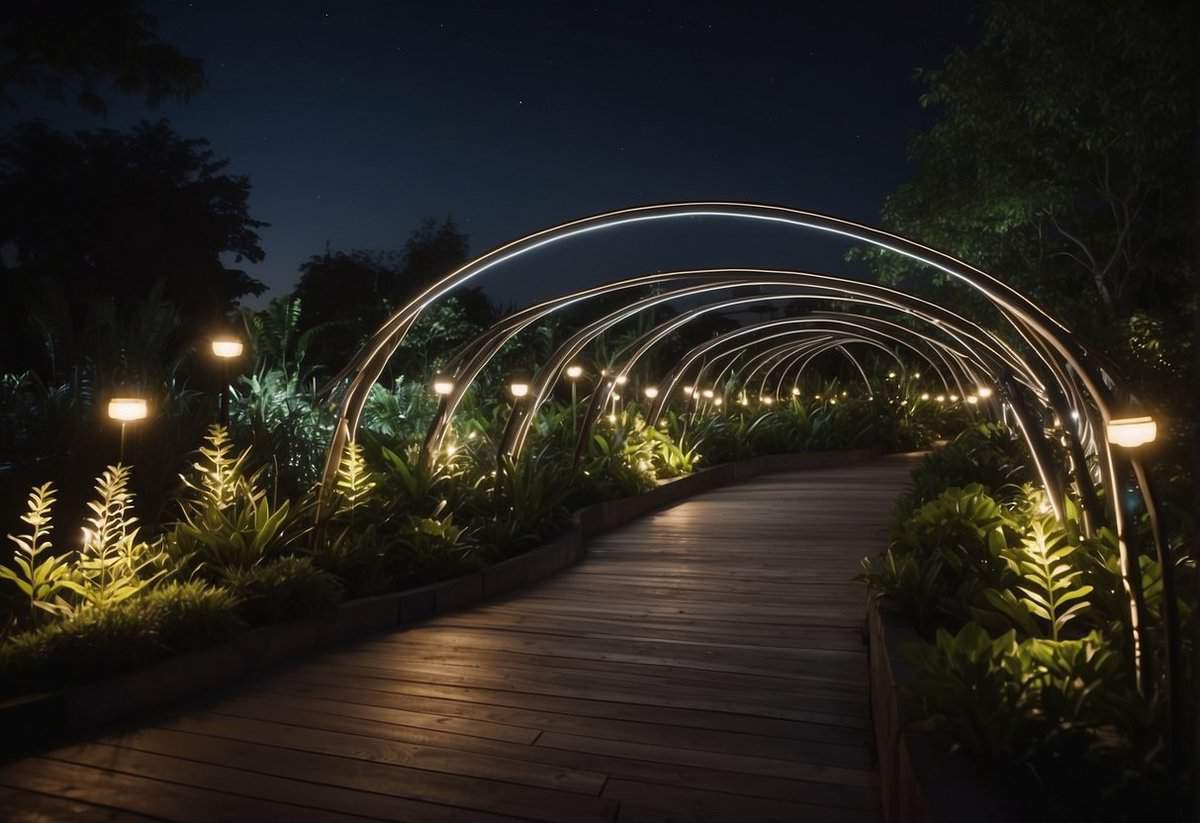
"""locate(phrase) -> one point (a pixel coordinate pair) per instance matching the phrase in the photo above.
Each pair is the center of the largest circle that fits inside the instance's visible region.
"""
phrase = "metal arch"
(796, 359)
(522, 416)
(784, 373)
(1013, 306)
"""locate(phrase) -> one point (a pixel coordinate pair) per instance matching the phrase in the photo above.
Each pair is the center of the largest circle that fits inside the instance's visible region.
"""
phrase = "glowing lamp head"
(622, 379)
(917, 376)
(651, 392)
(227, 347)
(518, 389)
(127, 409)
(985, 392)
(612, 418)
(795, 391)
(925, 395)
(941, 398)
(766, 400)
(708, 394)
(972, 399)
(574, 372)
(891, 375)
(1131, 432)
(442, 386)
(717, 402)
(688, 390)
(954, 398)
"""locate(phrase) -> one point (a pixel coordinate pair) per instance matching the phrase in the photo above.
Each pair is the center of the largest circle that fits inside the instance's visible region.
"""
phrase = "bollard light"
(442, 385)
(518, 389)
(574, 372)
(1131, 432)
(795, 391)
(651, 392)
(227, 347)
(127, 409)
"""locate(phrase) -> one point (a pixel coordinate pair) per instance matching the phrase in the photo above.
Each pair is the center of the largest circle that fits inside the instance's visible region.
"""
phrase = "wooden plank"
(155, 798)
(704, 663)
(19, 806)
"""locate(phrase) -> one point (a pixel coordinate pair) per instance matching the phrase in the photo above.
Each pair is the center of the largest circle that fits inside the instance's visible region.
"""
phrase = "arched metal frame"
(1080, 371)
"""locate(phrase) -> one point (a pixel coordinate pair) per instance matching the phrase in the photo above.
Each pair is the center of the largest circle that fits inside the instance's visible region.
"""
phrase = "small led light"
(717, 402)
(766, 400)
(574, 372)
(941, 398)
(985, 392)
(924, 395)
(651, 392)
(972, 399)
(442, 386)
(518, 390)
(612, 418)
(708, 394)
(622, 379)
(688, 390)
(795, 391)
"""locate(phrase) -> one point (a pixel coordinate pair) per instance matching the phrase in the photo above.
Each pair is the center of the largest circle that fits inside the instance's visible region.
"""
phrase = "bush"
(285, 589)
(990, 455)
(106, 640)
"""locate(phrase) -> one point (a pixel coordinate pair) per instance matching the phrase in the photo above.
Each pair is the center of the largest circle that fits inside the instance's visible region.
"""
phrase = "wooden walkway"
(704, 663)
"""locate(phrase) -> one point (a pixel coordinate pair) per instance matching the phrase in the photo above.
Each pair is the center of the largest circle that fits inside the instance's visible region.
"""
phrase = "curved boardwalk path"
(704, 663)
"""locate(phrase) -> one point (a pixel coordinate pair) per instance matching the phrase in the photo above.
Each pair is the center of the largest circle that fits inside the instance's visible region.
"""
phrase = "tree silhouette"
(105, 214)
(69, 49)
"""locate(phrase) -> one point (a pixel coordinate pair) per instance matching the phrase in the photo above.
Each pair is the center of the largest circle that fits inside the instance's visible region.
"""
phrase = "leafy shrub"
(106, 640)
(284, 589)
(989, 455)
(40, 575)
(226, 521)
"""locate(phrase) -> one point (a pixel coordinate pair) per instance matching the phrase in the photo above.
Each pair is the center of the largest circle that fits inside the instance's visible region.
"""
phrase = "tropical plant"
(114, 564)
(41, 579)
(1049, 588)
(226, 520)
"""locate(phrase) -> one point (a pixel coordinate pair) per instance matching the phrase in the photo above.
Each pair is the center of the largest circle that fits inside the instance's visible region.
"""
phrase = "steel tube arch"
(1014, 307)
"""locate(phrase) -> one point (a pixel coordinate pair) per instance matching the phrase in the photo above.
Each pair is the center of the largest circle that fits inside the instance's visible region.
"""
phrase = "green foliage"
(114, 564)
(100, 641)
(287, 588)
(226, 521)
(1050, 587)
(41, 579)
(354, 482)
(989, 454)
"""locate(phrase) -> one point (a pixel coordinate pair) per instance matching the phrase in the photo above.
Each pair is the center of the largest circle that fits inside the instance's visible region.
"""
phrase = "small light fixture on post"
(985, 392)
(442, 385)
(574, 372)
(225, 348)
(126, 410)
(651, 392)
(518, 388)
(1131, 432)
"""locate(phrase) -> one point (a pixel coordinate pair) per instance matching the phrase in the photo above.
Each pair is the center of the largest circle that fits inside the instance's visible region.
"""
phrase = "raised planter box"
(36, 720)
(920, 779)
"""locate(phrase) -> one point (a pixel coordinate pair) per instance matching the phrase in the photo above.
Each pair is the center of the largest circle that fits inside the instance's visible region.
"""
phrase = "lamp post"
(126, 410)
(1130, 434)
(225, 349)
(574, 372)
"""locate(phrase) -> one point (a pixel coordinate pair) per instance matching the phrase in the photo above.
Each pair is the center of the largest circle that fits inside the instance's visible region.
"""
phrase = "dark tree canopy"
(1057, 158)
(76, 49)
(107, 214)
(351, 293)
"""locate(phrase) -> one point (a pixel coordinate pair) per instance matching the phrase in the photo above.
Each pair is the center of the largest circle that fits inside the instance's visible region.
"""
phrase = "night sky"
(354, 120)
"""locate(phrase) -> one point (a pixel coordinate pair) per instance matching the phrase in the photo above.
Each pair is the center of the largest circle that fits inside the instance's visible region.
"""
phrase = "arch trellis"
(1065, 378)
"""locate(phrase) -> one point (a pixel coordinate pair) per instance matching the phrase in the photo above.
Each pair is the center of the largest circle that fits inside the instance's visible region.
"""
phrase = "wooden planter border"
(37, 720)
(920, 779)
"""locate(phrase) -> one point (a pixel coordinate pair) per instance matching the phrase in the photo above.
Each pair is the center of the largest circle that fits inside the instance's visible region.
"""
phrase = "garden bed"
(39, 719)
(920, 779)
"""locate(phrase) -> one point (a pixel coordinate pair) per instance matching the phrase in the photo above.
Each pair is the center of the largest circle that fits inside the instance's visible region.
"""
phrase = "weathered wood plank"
(704, 663)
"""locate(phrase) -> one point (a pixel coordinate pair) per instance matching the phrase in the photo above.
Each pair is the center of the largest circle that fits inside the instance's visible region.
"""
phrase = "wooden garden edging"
(920, 779)
(35, 720)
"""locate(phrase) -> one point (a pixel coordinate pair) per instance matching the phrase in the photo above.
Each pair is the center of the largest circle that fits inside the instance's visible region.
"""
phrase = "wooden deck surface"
(704, 663)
